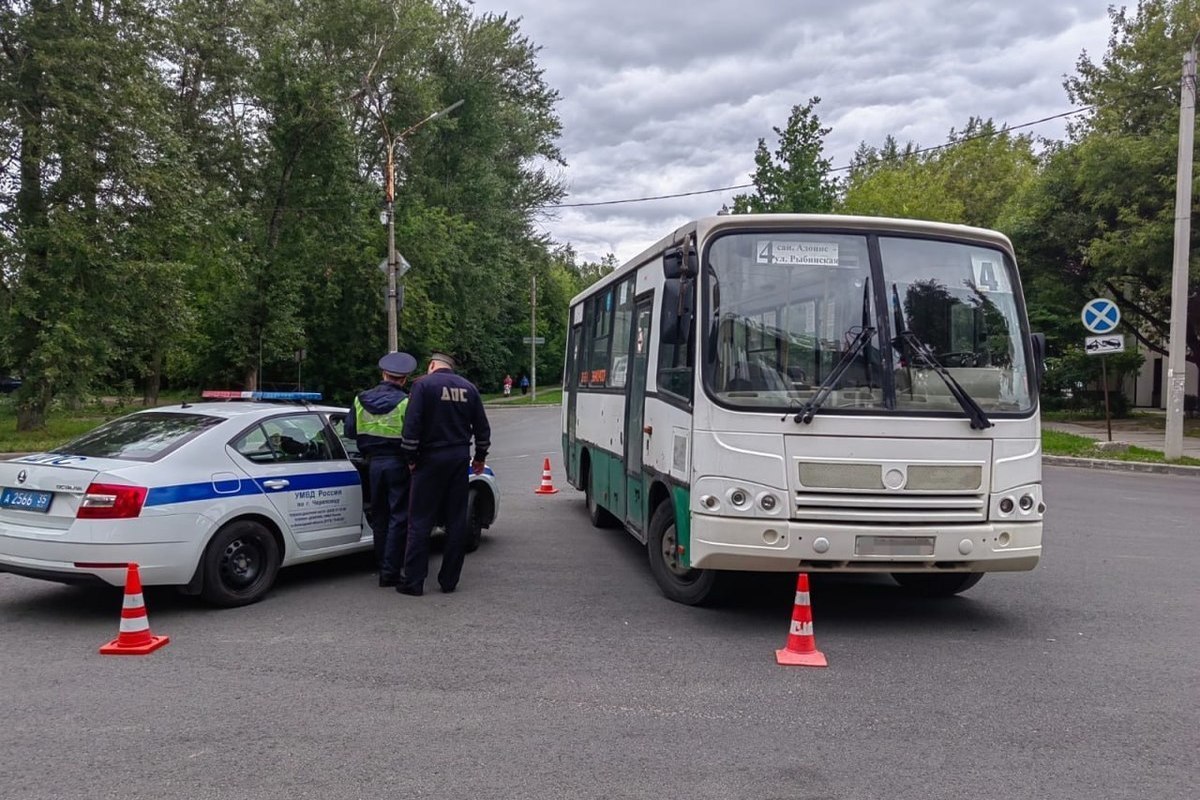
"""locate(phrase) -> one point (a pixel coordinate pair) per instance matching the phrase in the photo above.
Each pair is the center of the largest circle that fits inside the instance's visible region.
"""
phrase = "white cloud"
(666, 97)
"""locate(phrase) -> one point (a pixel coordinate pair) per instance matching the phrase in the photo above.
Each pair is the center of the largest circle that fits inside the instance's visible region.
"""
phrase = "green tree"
(972, 180)
(795, 178)
(1114, 182)
(81, 107)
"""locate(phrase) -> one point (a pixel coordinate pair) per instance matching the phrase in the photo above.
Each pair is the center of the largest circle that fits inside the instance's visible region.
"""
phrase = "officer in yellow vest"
(376, 424)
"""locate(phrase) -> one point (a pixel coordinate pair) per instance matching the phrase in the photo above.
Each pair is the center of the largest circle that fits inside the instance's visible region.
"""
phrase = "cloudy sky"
(663, 96)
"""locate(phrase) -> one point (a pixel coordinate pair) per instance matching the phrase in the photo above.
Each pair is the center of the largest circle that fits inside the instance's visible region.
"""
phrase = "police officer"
(444, 413)
(376, 424)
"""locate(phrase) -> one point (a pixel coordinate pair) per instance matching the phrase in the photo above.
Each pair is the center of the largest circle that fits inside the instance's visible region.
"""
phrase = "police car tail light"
(111, 501)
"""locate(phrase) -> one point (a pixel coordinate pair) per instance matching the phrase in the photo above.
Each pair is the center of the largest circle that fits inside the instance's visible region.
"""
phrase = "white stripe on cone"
(801, 598)
(134, 600)
(135, 625)
(802, 628)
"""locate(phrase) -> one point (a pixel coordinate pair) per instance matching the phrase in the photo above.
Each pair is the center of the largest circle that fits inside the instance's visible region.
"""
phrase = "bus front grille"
(889, 508)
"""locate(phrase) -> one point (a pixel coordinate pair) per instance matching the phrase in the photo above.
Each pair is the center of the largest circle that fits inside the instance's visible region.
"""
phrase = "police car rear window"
(141, 437)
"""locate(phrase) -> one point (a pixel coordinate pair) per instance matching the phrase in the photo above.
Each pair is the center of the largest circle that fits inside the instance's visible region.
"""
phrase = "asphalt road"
(559, 671)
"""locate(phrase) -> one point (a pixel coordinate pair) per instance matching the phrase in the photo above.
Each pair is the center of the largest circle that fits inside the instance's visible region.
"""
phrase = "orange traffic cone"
(134, 637)
(801, 648)
(547, 486)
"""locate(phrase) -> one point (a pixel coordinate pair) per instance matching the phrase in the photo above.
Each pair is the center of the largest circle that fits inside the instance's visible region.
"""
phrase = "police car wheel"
(677, 581)
(474, 523)
(943, 585)
(240, 564)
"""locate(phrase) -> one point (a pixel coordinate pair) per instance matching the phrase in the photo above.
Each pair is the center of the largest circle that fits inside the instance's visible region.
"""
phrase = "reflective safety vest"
(385, 426)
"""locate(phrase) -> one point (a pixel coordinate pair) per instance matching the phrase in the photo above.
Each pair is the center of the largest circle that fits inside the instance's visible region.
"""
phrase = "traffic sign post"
(533, 339)
(1101, 316)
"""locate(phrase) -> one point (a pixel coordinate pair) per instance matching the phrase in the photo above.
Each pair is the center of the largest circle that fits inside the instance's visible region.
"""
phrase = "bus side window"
(618, 367)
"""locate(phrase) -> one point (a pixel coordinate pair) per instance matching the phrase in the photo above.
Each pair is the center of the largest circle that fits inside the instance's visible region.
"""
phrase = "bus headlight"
(1019, 503)
(768, 503)
(739, 498)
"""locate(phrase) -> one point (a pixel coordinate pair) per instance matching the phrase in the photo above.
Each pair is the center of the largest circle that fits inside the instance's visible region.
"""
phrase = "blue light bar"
(219, 394)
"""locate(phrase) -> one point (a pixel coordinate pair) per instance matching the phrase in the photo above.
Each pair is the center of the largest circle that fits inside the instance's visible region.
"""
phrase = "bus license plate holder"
(894, 545)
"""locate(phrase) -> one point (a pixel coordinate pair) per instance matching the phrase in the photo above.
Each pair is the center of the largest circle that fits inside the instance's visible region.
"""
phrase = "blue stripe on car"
(192, 492)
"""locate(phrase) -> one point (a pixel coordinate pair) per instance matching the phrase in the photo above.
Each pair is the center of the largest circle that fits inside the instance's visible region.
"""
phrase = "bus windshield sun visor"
(978, 417)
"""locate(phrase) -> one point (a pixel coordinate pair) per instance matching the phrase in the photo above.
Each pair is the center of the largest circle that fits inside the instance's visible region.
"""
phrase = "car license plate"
(893, 545)
(25, 499)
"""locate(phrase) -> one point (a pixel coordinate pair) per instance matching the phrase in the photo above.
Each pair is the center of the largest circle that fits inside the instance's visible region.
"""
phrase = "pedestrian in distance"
(507, 385)
(444, 414)
(524, 384)
(376, 423)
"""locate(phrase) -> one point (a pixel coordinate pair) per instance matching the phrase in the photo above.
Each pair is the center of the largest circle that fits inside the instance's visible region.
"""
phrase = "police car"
(213, 497)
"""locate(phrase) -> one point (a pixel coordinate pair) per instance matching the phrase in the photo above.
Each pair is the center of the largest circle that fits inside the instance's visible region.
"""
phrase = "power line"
(845, 168)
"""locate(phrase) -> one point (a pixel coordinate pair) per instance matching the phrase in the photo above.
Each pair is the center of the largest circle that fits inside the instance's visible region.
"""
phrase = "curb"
(1144, 467)
(490, 406)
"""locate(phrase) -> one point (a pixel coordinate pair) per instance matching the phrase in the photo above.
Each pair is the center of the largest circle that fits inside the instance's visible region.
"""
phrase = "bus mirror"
(1039, 356)
(673, 266)
(676, 311)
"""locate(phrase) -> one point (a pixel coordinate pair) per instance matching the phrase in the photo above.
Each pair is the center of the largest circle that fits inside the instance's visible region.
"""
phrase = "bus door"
(571, 383)
(635, 437)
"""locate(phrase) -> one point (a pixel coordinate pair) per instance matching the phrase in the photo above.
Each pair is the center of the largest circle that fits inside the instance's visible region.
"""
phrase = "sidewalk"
(1126, 431)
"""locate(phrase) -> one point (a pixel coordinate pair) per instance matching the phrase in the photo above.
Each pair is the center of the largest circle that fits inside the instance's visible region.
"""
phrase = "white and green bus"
(811, 393)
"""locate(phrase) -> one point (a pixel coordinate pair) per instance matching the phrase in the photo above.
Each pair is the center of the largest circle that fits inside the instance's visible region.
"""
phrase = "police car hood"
(382, 399)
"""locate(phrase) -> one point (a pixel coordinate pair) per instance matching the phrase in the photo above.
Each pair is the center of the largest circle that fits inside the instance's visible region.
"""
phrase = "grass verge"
(551, 395)
(1057, 443)
(61, 427)
(1138, 420)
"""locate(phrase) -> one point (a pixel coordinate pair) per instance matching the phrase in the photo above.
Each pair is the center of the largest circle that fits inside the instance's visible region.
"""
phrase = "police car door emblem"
(21, 476)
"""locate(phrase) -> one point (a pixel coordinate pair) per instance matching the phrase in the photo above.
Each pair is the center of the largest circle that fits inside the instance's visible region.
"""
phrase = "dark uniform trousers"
(440, 484)
(388, 513)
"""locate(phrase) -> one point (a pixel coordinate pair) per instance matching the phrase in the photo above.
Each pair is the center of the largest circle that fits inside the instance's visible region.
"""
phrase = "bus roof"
(708, 225)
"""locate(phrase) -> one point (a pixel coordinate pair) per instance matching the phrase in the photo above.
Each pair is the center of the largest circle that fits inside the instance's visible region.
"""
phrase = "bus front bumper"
(765, 545)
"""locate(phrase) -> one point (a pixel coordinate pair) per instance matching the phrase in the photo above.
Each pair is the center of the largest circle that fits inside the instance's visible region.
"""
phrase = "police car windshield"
(140, 437)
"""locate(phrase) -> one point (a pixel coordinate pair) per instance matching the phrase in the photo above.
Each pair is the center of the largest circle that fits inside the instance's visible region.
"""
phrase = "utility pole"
(533, 337)
(390, 196)
(1177, 354)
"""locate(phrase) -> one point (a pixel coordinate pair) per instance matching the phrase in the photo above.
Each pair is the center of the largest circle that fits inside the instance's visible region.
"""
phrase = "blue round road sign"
(1101, 315)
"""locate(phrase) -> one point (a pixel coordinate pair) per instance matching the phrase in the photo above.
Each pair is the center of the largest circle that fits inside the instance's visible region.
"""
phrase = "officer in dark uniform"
(376, 423)
(444, 413)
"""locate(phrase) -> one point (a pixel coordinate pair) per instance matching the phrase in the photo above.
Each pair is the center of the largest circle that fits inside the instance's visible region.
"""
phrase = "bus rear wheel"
(677, 581)
(942, 585)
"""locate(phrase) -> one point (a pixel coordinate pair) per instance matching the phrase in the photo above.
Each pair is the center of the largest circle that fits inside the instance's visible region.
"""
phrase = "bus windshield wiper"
(831, 381)
(977, 416)
(827, 386)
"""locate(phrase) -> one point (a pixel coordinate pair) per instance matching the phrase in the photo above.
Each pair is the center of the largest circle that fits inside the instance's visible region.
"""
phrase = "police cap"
(448, 360)
(397, 363)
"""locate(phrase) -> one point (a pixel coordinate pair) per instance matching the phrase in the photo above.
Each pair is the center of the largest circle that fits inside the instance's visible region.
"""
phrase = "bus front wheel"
(677, 581)
(942, 585)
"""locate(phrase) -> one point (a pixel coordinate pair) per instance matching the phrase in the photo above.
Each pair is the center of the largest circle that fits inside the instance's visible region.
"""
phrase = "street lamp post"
(1177, 349)
(390, 197)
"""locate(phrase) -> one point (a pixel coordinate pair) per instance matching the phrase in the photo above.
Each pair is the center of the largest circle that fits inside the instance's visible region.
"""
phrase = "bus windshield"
(784, 307)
